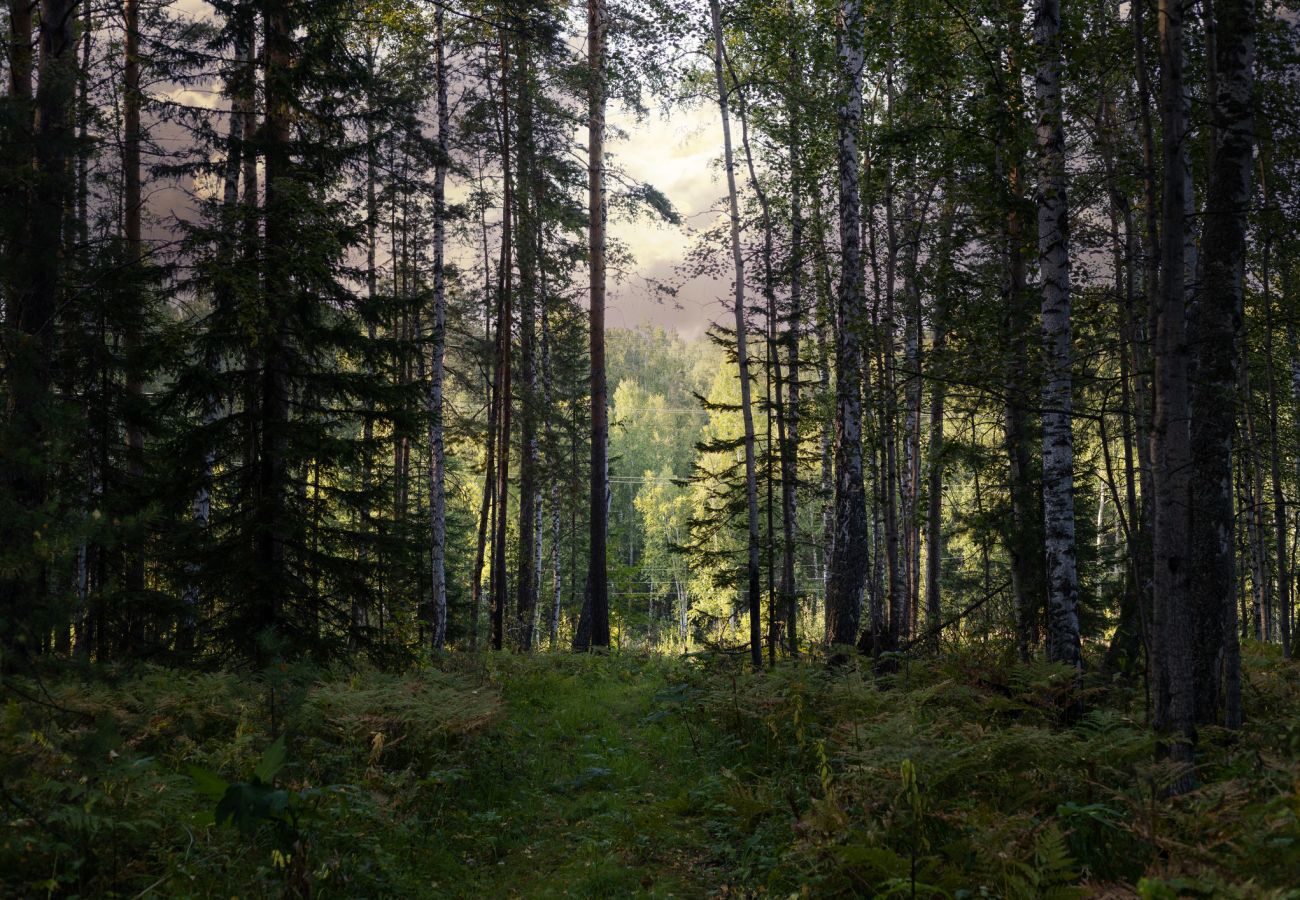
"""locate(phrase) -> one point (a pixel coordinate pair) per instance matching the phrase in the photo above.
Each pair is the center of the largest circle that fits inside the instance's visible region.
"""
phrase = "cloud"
(674, 151)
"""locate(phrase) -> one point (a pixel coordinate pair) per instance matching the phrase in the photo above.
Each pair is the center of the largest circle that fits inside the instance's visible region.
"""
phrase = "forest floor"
(584, 776)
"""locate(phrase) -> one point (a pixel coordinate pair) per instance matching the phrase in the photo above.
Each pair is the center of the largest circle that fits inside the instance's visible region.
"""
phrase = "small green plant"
(257, 801)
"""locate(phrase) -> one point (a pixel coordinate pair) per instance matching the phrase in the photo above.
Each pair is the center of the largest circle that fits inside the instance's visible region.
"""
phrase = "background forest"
(956, 557)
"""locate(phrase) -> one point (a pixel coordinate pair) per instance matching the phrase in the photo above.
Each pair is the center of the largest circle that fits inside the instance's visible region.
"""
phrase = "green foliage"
(597, 776)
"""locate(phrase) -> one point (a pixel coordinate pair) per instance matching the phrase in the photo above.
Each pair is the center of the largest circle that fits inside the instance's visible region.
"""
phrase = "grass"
(584, 776)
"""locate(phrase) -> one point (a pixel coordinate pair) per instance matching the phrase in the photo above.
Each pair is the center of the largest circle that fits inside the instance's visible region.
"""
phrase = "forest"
(385, 512)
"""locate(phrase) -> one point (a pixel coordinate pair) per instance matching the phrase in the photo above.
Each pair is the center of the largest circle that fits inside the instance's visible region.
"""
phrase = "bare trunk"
(132, 207)
(742, 350)
(790, 437)
(934, 539)
(1023, 537)
(505, 316)
(597, 579)
(1214, 330)
(1174, 693)
(849, 556)
(1054, 270)
(529, 250)
(437, 461)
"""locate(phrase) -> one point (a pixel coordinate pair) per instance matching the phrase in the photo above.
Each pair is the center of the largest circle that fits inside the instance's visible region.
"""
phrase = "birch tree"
(1054, 272)
(849, 553)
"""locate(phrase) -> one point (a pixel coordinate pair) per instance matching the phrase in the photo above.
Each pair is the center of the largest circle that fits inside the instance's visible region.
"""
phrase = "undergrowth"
(565, 775)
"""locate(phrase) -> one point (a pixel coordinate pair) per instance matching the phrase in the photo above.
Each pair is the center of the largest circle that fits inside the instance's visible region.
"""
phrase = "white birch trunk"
(1054, 271)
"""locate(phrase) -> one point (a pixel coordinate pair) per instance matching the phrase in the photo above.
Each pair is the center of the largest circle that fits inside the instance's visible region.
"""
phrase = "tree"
(849, 553)
(1172, 674)
(1054, 271)
(742, 350)
(597, 576)
(1214, 330)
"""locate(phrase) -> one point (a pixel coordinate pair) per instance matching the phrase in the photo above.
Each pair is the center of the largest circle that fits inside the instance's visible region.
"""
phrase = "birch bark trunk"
(849, 555)
(1063, 643)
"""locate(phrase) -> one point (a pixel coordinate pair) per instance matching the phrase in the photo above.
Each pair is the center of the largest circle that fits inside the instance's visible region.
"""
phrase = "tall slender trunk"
(552, 457)
(84, 624)
(359, 602)
(1252, 483)
(775, 379)
(1294, 351)
(1275, 469)
(272, 474)
(849, 557)
(1054, 269)
(910, 474)
(437, 460)
(529, 194)
(1142, 327)
(1174, 695)
(132, 207)
(505, 317)
(824, 322)
(742, 349)
(777, 616)
(934, 539)
(889, 480)
(597, 635)
(1023, 537)
(1131, 633)
(1214, 329)
(490, 441)
(790, 439)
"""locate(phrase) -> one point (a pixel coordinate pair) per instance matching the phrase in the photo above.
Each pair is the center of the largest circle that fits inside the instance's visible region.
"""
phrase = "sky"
(676, 152)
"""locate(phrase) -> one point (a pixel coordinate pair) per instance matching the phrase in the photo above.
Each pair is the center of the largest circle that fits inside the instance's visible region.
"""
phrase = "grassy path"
(580, 791)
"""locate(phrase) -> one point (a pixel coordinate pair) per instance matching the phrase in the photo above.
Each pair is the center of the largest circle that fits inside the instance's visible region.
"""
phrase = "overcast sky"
(676, 153)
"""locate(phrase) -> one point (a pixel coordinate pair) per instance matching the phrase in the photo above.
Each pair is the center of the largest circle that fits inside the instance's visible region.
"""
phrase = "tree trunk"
(774, 406)
(790, 437)
(597, 579)
(36, 257)
(272, 474)
(849, 556)
(742, 350)
(1174, 695)
(505, 318)
(529, 247)
(934, 539)
(1214, 328)
(1054, 270)
(437, 461)
(132, 207)
(1023, 537)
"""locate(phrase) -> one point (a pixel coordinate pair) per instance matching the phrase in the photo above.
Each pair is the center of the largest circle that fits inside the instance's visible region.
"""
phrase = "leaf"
(271, 763)
(207, 782)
